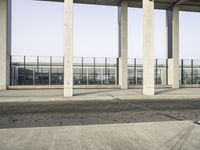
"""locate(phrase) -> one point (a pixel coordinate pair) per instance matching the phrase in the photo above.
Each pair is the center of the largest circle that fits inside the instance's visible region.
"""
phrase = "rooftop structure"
(184, 5)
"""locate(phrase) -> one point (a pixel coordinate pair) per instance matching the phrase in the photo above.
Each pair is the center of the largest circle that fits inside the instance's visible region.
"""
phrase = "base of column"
(124, 87)
(123, 77)
(176, 86)
(173, 73)
(68, 92)
(3, 87)
(149, 91)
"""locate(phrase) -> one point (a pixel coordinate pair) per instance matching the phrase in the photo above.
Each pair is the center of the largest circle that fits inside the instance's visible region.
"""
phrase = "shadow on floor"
(96, 92)
(44, 114)
(54, 92)
(166, 91)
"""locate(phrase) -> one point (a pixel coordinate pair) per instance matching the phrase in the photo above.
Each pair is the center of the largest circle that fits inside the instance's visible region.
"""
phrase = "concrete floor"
(96, 94)
(178, 135)
(46, 114)
(101, 120)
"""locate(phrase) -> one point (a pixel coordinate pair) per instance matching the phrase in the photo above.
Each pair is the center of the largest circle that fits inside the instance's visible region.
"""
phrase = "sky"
(37, 29)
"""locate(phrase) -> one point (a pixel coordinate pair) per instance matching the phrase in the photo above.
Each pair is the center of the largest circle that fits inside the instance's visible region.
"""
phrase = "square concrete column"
(5, 43)
(123, 44)
(148, 47)
(68, 48)
(172, 44)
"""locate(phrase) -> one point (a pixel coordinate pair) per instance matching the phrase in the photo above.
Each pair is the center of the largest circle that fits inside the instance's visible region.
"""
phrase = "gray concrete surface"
(97, 94)
(139, 136)
(98, 124)
(43, 114)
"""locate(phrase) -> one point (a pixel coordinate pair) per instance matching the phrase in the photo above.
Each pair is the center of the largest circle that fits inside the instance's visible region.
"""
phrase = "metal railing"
(40, 70)
(34, 70)
(190, 71)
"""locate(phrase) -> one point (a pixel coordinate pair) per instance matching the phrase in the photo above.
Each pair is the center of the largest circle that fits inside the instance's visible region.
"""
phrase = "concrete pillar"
(5, 43)
(148, 47)
(123, 44)
(172, 44)
(68, 48)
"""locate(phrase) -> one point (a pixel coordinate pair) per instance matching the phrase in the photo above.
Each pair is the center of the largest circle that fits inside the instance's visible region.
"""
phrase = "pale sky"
(37, 29)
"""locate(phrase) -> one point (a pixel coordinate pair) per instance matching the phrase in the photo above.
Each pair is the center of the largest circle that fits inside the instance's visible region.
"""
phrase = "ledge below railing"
(21, 87)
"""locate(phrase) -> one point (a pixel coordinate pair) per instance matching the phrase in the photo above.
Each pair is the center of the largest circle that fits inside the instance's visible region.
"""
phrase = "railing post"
(63, 68)
(106, 78)
(118, 71)
(24, 70)
(192, 72)
(10, 82)
(82, 70)
(37, 70)
(182, 74)
(156, 71)
(34, 76)
(94, 72)
(166, 71)
(135, 61)
(50, 71)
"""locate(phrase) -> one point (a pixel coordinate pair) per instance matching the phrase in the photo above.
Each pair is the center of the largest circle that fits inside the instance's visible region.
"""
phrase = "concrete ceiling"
(185, 5)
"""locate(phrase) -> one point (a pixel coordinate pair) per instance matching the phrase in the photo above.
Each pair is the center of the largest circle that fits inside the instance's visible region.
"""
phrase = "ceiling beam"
(177, 2)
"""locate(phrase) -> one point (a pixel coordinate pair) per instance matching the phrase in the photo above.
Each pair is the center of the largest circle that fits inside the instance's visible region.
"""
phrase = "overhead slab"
(185, 5)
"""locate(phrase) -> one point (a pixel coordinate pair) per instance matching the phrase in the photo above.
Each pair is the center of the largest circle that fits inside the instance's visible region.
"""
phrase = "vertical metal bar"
(182, 74)
(37, 70)
(94, 72)
(118, 71)
(115, 65)
(11, 73)
(192, 72)
(50, 70)
(41, 76)
(156, 71)
(63, 70)
(87, 76)
(34, 72)
(33, 76)
(106, 73)
(82, 71)
(166, 71)
(17, 75)
(24, 70)
(102, 76)
(135, 62)
(15, 80)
